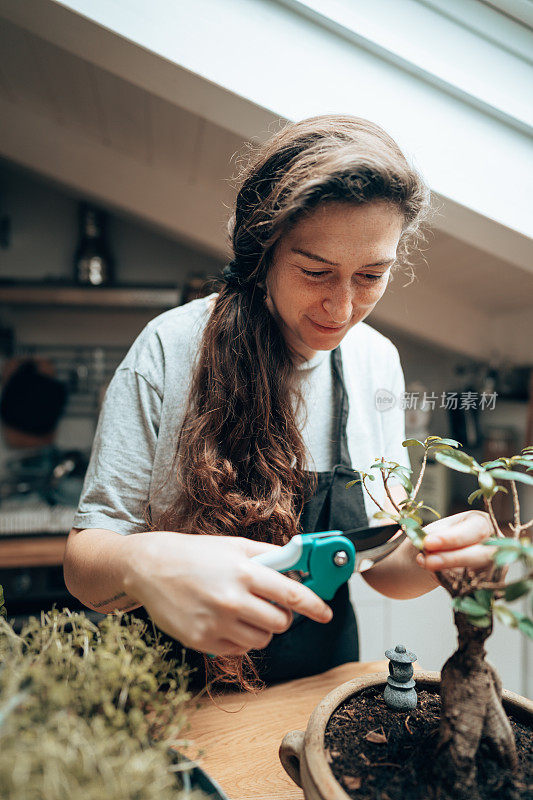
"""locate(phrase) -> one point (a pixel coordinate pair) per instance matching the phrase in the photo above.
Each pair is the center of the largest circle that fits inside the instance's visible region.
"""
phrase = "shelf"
(94, 297)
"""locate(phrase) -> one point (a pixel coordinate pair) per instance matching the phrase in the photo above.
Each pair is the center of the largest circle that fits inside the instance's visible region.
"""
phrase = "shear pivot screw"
(340, 558)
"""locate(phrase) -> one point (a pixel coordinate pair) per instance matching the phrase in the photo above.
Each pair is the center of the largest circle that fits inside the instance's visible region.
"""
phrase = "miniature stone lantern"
(400, 692)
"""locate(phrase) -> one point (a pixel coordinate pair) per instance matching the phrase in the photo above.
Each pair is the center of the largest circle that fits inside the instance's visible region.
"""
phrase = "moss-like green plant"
(89, 711)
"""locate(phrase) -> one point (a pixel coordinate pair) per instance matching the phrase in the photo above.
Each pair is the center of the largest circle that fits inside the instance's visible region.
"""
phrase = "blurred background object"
(32, 403)
(195, 286)
(93, 262)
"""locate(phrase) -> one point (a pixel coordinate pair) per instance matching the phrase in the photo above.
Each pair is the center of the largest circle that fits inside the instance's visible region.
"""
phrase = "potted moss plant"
(467, 738)
(92, 711)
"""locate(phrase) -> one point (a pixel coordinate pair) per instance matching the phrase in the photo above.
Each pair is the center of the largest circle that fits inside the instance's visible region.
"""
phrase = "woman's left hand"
(457, 542)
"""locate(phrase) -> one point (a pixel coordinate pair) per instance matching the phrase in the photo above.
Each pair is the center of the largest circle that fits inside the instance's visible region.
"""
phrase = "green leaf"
(517, 589)
(486, 483)
(467, 605)
(448, 442)
(515, 620)
(526, 626)
(527, 551)
(522, 462)
(385, 515)
(474, 496)
(499, 462)
(502, 544)
(409, 522)
(453, 462)
(412, 443)
(501, 489)
(464, 458)
(405, 482)
(503, 557)
(428, 508)
(414, 531)
(399, 468)
(505, 615)
(480, 622)
(484, 598)
(416, 539)
(352, 483)
(509, 475)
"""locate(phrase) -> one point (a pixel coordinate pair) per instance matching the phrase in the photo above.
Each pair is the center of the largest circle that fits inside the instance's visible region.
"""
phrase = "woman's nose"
(339, 305)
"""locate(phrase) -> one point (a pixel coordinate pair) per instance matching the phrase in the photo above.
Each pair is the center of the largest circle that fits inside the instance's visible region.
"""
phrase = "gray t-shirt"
(135, 443)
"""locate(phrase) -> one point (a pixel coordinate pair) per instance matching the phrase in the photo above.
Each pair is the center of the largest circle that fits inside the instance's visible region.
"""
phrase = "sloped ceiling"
(94, 131)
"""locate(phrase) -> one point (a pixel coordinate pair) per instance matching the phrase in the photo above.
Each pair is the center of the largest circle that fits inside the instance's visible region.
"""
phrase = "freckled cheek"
(368, 296)
(364, 297)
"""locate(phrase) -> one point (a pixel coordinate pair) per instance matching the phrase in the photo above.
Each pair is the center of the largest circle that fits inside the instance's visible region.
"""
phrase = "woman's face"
(329, 271)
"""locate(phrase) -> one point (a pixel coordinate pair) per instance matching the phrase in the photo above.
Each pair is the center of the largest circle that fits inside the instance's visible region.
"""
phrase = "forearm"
(97, 566)
(399, 576)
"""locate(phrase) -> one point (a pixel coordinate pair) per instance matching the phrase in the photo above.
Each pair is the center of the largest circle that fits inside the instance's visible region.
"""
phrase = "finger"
(265, 615)
(252, 548)
(223, 647)
(249, 637)
(274, 586)
(476, 557)
(461, 530)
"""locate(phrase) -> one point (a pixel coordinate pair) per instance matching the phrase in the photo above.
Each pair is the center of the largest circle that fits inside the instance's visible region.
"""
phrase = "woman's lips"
(325, 328)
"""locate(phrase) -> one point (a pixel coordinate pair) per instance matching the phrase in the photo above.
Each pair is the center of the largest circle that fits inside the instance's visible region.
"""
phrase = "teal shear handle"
(326, 559)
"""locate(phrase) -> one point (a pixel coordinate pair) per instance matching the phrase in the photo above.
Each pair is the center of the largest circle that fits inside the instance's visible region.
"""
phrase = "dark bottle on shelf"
(93, 262)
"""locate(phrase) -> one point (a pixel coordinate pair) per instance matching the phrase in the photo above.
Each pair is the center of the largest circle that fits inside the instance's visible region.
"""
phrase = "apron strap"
(341, 409)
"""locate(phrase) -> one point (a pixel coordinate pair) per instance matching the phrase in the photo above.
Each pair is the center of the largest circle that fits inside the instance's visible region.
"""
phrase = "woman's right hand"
(206, 591)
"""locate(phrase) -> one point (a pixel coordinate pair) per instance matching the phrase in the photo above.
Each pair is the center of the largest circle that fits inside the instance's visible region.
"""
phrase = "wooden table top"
(32, 551)
(240, 737)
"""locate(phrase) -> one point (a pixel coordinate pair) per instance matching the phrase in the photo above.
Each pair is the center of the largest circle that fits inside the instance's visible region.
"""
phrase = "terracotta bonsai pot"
(303, 754)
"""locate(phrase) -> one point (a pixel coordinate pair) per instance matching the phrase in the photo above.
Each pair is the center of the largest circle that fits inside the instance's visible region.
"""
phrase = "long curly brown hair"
(241, 461)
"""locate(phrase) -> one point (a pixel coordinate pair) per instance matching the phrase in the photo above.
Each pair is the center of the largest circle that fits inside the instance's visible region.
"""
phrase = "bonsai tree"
(471, 689)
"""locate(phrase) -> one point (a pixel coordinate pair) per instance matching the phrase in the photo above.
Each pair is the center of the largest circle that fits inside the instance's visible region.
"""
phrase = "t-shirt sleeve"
(393, 419)
(116, 489)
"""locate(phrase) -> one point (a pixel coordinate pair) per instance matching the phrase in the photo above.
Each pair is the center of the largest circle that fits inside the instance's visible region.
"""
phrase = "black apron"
(309, 647)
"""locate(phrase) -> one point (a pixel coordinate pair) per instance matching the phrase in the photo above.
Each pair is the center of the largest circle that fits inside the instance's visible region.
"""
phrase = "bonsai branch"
(488, 506)
(501, 585)
(387, 490)
(421, 475)
(371, 496)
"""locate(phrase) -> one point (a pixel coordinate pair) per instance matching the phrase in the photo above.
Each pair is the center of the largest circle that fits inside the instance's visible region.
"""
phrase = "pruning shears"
(328, 558)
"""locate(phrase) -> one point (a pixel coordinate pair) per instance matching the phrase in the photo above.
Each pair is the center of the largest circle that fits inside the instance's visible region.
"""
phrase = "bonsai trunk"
(471, 712)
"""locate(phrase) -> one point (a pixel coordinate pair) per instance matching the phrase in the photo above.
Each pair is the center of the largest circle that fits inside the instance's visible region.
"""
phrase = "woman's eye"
(371, 278)
(313, 274)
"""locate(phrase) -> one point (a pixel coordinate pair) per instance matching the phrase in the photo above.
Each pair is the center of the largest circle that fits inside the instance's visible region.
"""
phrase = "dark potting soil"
(379, 754)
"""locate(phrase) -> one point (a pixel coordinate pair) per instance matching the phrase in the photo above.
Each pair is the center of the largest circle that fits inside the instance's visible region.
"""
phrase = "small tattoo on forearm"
(109, 600)
(130, 603)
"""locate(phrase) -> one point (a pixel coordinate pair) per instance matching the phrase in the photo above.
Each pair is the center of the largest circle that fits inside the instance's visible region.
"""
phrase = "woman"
(242, 415)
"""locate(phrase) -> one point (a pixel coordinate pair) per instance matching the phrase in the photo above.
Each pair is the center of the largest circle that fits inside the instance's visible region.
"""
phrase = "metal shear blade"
(374, 543)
